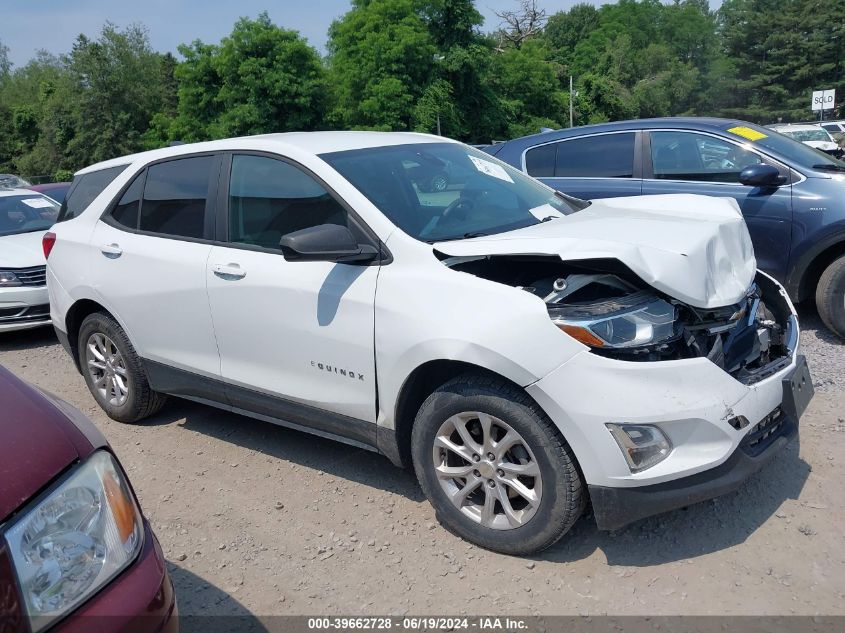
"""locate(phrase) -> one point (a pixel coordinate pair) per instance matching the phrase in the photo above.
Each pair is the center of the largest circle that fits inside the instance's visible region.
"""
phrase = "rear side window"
(84, 189)
(127, 210)
(540, 161)
(270, 198)
(175, 197)
(599, 156)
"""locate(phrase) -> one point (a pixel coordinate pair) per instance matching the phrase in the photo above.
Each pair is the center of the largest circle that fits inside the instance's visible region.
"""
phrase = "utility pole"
(438, 124)
(570, 101)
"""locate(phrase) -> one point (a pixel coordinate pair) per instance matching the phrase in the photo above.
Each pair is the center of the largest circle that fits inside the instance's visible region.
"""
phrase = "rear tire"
(542, 504)
(114, 372)
(830, 297)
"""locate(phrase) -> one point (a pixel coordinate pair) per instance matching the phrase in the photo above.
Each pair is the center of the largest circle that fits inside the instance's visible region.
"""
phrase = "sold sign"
(823, 99)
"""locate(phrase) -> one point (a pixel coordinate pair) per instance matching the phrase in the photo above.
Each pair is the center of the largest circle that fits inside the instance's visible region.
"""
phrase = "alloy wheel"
(107, 369)
(487, 470)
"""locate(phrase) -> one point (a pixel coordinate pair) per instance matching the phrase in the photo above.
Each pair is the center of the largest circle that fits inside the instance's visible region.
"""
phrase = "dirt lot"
(256, 519)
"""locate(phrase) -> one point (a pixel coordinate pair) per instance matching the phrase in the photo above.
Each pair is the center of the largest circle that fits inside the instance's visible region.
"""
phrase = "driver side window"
(269, 198)
(698, 157)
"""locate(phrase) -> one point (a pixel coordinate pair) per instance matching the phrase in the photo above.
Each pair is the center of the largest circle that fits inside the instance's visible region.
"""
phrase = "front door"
(694, 162)
(290, 334)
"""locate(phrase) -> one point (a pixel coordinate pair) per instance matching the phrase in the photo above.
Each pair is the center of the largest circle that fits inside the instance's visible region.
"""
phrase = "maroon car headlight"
(68, 544)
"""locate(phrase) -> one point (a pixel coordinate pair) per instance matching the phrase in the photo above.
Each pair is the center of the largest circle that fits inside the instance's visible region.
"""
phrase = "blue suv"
(792, 196)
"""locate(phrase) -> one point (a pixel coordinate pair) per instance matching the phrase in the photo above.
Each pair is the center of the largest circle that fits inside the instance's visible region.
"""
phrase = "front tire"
(830, 297)
(114, 372)
(496, 470)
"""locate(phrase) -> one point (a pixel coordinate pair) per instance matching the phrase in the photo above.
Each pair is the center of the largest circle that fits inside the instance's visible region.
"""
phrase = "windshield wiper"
(576, 204)
(829, 167)
(474, 234)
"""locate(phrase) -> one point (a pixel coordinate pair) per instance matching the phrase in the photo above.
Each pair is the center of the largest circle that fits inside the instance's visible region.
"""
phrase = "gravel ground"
(257, 520)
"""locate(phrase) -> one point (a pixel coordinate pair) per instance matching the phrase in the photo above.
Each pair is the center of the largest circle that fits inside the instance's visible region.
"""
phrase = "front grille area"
(765, 432)
(24, 315)
(35, 276)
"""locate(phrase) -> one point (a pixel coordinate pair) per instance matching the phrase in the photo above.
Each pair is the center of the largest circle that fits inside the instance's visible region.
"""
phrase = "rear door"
(683, 161)
(149, 255)
(605, 165)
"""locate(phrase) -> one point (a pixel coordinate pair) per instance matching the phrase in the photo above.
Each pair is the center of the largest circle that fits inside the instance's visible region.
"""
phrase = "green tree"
(116, 91)
(381, 59)
(530, 88)
(778, 52)
(261, 78)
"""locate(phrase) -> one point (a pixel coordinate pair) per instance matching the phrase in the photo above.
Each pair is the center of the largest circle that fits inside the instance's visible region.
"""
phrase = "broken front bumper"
(721, 430)
(616, 507)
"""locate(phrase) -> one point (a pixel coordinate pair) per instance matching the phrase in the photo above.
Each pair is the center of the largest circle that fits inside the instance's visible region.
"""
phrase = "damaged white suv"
(526, 352)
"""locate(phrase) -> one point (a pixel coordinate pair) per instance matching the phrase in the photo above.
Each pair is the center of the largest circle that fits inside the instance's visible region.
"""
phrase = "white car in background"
(811, 135)
(25, 217)
(524, 351)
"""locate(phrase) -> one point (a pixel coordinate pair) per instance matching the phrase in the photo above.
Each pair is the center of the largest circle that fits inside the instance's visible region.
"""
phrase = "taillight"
(47, 243)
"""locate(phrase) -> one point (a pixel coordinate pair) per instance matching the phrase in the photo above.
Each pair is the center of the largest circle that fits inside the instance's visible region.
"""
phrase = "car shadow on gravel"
(27, 339)
(697, 530)
(321, 454)
(205, 608)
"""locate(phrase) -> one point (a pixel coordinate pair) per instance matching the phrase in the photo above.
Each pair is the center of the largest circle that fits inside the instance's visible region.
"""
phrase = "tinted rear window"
(600, 156)
(540, 161)
(84, 189)
(175, 197)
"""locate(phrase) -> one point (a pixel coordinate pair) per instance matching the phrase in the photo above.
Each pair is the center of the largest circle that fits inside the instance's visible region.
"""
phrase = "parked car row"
(792, 196)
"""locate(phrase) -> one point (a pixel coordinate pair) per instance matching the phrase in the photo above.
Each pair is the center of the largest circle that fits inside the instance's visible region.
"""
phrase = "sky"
(29, 25)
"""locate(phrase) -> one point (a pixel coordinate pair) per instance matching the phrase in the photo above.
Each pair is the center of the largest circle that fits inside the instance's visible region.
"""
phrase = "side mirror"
(326, 243)
(761, 175)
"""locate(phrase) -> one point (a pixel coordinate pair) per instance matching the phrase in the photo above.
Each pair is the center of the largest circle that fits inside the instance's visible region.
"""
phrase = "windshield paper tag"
(747, 132)
(37, 203)
(490, 169)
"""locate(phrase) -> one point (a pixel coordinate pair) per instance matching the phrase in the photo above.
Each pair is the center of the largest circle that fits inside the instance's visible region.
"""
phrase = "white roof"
(311, 142)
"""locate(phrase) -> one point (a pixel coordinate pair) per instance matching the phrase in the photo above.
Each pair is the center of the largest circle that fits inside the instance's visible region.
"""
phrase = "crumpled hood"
(21, 251)
(694, 248)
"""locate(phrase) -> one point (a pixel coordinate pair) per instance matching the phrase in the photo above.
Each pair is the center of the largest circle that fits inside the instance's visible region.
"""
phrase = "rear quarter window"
(84, 189)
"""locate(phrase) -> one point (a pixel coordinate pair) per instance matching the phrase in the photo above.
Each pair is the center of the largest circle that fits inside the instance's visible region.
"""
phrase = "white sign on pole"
(823, 100)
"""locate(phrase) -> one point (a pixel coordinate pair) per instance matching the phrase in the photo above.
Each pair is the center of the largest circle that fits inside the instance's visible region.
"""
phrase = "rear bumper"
(140, 600)
(616, 507)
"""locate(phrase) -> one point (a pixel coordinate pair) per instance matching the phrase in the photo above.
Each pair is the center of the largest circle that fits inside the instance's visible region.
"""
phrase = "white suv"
(25, 217)
(523, 350)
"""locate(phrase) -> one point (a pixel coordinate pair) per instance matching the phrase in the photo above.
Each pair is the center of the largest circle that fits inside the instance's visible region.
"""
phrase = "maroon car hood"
(37, 442)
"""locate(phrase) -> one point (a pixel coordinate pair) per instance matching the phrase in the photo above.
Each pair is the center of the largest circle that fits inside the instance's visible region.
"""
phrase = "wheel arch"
(801, 283)
(420, 384)
(76, 314)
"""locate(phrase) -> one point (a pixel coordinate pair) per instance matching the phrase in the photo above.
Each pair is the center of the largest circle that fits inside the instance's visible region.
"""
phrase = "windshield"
(446, 191)
(794, 151)
(807, 135)
(26, 213)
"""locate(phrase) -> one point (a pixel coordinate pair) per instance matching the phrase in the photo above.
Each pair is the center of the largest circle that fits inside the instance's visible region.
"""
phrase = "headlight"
(74, 541)
(617, 323)
(8, 278)
(643, 445)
